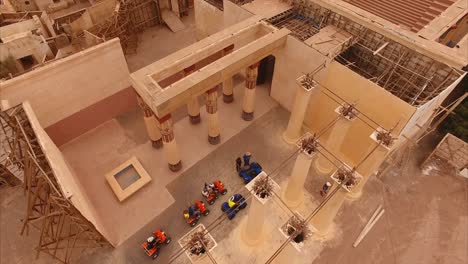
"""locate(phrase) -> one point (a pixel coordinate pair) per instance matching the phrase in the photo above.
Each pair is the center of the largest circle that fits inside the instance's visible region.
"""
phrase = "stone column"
(170, 146)
(248, 105)
(151, 124)
(228, 92)
(253, 230)
(212, 116)
(293, 132)
(193, 106)
(323, 219)
(369, 167)
(294, 193)
(333, 145)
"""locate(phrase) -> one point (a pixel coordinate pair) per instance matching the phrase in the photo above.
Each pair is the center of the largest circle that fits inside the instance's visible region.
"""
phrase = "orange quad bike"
(218, 188)
(152, 245)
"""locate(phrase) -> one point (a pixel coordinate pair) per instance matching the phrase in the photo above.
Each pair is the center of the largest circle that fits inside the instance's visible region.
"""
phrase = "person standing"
(238, 164)
(325, 188)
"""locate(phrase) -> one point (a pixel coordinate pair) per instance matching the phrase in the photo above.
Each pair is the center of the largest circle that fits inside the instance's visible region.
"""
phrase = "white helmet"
(328, 184)
(211, 185)
(150, 239)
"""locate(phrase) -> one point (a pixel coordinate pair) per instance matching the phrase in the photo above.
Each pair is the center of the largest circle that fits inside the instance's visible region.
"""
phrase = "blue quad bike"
(248, 173)
(233, 205)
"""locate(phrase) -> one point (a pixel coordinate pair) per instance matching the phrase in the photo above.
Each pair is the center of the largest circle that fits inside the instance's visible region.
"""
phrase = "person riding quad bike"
(211, 191)
(153, 243)
(194, 212)
(233, 205)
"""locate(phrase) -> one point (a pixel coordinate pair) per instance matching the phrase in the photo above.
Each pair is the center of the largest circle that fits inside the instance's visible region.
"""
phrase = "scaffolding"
(63, 229)
(407, 74)
(129, 18)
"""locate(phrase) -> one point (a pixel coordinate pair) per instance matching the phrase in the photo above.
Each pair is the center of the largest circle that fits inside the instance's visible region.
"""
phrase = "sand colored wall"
(291, 62)
(24, 26)
(104, 9)
(92, 116)
(64, 174)
(25, 45)
(64, 87)
(82, 23)
(375, 102)
(208, 19)
(234, 14)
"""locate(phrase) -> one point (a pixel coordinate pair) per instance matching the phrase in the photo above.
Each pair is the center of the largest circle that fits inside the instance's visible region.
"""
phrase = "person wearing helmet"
(246, 158)
(151, 242)
(325, 188)
(231, 202)
(206, 190)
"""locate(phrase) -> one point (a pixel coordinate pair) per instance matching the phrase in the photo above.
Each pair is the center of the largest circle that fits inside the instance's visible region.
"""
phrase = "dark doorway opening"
(28, 62)
(266, 70)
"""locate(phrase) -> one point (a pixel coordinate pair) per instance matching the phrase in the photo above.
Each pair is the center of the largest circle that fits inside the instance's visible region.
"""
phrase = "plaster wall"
(208, 19)
(234, 14)
(48, 23)
(378, 106)
(82, 23)
(66, 177)
(102, 10)
(293, 61)
(23, 46)
(24, 26)
(64, 87)
(43, 4)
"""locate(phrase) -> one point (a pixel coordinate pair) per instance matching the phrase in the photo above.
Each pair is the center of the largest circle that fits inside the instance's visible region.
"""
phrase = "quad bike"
(157, 239)
(233, 205)
(215, 189)
(193, 214)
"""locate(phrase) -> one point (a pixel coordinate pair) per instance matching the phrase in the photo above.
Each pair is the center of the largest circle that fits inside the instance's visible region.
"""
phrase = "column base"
(175, 167)
(247, 116)
(228, 98)
(293, 203)
(214, 140)
(353, 196)
(195, 119)
(321, 169)
(251, 241)
(157, 144)
(289, 140)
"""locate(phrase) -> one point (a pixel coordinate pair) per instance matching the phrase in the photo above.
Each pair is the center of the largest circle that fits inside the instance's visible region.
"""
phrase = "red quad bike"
(152, 245)
(217, 188)
(194, 212)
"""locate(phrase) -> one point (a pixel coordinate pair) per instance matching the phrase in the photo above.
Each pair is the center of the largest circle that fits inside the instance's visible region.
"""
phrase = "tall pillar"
(323, 219)
(228, 92)
(151, 124)
(293, 132)
(193, 106)
(294, 193)
(334, 141)
(212, 116)
(248, 105)
(369, 167)
(253, 230)
(170, 146)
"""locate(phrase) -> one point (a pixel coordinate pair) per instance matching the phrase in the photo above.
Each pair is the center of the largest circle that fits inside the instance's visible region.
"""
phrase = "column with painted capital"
(335, 138)
(170, 146)
(294, 129)
(214, 136)
(193, 106)
(248, 105)
(228, 92)
(151, 123)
